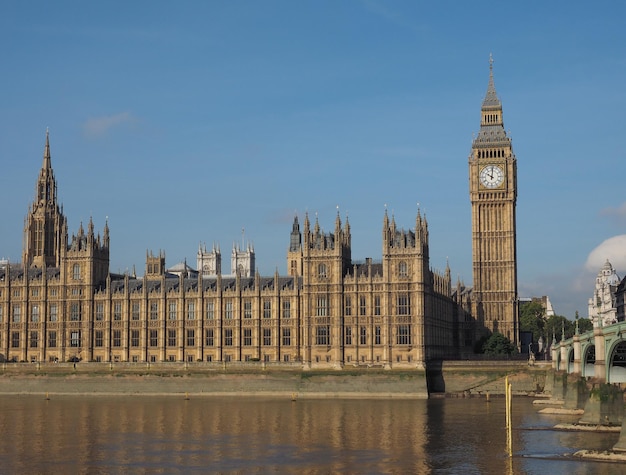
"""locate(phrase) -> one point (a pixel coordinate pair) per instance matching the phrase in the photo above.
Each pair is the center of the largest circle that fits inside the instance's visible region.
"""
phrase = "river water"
(139, 434)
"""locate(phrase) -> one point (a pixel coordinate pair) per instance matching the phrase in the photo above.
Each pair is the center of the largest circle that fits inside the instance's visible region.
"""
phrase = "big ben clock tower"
(493, 194)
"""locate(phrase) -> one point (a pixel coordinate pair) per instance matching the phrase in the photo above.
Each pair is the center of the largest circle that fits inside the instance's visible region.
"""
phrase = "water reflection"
(257, 435)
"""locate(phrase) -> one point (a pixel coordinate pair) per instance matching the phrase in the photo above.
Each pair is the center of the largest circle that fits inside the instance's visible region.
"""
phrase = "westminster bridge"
(599, 354)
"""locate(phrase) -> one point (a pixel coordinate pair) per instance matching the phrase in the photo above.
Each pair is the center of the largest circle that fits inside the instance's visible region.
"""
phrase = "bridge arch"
(570, 361)
(616, 370)
(588, 361)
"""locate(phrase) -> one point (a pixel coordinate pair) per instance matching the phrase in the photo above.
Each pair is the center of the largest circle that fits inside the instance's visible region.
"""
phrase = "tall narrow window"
(134, 315)
(210, 310)
(134, 338)
(154, 338)
(228, 310)
(404, 304)
(171, 314)
(171, 337)
(99, 311)
(404, 335)
(286, 336)
(377, 335)
(117, 311)
(154, 311)
(322, 307)
(402, 269)
(52, 339)
(191, 311)
(286, 309)
(17, 314)
(117, 338)
(34, 339)
(54, 314)
(348, 306)
(362, 305)
(76, 272)
(228, 337)
(75, 340)
(75, 312)
(267, 309)
(363, 336)
(98, 338)
(247, 308)
(247, 337)
(191, 337)
(209, 337)
(267, 336)
(34, 314)
(348, 335)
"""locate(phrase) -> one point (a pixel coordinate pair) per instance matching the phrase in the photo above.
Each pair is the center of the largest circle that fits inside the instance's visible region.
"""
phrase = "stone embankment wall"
(481, 377)
(452, 378)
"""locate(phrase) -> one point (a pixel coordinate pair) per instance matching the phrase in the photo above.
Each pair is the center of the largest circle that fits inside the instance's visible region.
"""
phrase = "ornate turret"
(44, 226)
(294, 253)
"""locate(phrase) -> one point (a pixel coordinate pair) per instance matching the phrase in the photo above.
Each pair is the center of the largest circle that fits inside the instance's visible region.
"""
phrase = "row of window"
(322, 337)
(322, 270)
(153, 338)
(403, 305)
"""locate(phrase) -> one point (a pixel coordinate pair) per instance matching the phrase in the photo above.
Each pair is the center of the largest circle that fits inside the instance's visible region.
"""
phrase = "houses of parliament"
(62, 303)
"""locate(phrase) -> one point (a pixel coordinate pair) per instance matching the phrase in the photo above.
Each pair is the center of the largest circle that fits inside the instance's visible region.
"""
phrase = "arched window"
(321, 270)
(403, 269)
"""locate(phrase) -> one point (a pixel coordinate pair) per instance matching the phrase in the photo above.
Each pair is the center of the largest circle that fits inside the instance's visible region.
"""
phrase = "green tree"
(555, 326)
(584, 325)
(532, 319)
(498, 344)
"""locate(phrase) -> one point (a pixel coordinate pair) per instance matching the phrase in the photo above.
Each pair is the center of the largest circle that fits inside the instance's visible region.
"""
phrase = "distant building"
(544, 301)
(620, 300)
(242, 261)
(603, 303)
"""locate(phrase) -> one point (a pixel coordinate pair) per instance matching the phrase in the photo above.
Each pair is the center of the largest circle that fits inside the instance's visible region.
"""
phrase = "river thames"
(142, 434)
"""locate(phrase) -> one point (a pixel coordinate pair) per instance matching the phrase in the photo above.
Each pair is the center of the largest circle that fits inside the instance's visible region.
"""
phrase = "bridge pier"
(556, 384)
(604, 406)
(576, 392)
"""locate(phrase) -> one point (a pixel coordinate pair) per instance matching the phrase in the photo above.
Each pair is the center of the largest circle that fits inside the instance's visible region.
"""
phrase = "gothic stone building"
(62, 303)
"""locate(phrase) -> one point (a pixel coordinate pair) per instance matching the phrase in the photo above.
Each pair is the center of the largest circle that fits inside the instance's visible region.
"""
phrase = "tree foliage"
(556, 325)
(532, 319)
(498, 344)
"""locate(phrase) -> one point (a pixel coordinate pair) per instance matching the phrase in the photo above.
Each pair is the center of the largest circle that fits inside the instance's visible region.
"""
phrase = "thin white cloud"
(618, 214)
(95, 127)
(613, 249)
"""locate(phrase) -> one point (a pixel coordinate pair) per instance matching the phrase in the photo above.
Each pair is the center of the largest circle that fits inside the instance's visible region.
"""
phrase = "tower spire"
(46, 152)
(491, 98)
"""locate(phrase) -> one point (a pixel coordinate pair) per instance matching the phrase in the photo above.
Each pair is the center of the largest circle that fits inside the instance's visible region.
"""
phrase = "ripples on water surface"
(257, 435)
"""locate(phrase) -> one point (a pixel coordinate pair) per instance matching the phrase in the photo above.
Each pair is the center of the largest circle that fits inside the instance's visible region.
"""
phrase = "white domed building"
(602, 306)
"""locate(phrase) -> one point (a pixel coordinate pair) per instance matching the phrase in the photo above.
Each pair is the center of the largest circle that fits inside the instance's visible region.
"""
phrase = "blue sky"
(184, 122)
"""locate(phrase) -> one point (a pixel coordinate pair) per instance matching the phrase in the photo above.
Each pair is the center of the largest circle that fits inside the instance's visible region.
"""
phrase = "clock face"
(491, 176)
